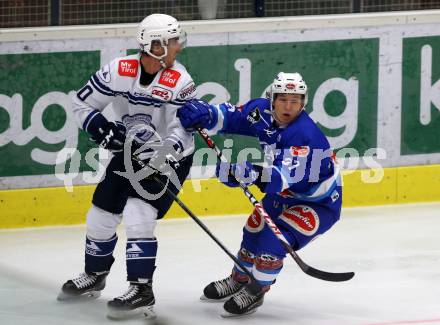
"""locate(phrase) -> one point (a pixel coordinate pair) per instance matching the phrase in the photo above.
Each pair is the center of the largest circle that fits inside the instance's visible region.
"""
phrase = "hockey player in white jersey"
(145, 91)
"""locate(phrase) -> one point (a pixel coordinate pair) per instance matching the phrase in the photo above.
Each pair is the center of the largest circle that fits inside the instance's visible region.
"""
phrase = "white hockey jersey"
(143, 110)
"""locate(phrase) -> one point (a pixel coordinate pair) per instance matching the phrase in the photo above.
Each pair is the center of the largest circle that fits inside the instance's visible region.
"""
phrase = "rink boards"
(56, 206)
(374, 81)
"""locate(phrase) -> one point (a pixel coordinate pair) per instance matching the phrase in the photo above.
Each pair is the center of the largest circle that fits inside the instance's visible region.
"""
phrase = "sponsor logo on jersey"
(104, 74)
(128, 68)
(187, 91)
(302, 218)
(300, 151)
(169, 78)
(161, 93)
(254, 223)
(290, 86)
(254, 116)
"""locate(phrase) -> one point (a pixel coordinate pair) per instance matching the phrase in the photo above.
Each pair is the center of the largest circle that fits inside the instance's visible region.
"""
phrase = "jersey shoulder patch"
(252, 106)
(128, 68)
(169, 78)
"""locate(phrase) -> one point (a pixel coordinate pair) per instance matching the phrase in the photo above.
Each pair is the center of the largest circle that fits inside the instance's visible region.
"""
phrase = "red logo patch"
(290, 86)
(169, 78)
(161, 93)
(128, 68)
(302, 218)
(254, 223)
(300, 151)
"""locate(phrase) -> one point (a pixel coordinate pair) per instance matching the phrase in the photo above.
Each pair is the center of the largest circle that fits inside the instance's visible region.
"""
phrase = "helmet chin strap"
(162, 63)
(159, 58)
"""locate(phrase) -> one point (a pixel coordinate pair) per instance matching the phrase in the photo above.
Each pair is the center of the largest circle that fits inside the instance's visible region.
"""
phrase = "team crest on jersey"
(254, 223)
(104, 74)
(300, 151)
(187, 91)
(254, 116)
(169, 78)
(302, 218)
(161, 93)
(139, 126)
(128, 68)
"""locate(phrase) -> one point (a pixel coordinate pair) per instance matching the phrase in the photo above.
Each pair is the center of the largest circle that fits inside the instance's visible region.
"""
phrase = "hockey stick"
(319, 274)
(193, 216)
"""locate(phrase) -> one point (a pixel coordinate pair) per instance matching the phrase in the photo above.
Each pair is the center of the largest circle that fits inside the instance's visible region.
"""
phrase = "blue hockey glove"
(197, 114)
(243, 171)
(110, 136)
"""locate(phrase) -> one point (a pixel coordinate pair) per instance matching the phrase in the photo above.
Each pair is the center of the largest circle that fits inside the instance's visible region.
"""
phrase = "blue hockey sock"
(99, 254)
(141, 259)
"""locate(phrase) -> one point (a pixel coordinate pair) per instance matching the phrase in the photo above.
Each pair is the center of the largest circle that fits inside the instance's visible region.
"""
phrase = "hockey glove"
(111, 136)
(197, 114)
(231, 174)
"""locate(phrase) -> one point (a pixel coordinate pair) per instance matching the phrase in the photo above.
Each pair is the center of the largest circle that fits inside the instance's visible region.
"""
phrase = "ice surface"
(394, 250)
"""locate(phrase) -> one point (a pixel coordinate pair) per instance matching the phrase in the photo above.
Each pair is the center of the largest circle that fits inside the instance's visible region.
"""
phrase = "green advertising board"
(368, 88)
(421, 95)
(35, 119)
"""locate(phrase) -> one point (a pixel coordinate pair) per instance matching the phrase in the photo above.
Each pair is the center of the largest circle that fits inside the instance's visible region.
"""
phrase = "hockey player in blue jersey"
(300, 179)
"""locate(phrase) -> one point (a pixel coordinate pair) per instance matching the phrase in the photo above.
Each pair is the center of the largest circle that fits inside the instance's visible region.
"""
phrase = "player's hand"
(111, 137)
(197, 114)
(232, 174)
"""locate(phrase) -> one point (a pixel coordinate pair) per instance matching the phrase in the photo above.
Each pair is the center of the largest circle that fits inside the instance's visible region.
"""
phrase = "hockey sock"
(141, 258)
(266, 269)
(247, 259)
(99, 254)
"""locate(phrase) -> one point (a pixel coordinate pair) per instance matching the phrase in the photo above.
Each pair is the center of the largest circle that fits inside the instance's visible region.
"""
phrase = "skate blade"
(206, 299)
(147, 312)
(62, 296)
(226, 314)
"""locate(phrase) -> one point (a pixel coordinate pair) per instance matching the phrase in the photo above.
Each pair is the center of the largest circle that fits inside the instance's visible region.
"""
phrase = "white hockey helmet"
(288, 83)
(159, 27)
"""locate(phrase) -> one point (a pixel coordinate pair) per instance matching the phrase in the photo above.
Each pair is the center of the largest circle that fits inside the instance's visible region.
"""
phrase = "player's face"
(287, 107)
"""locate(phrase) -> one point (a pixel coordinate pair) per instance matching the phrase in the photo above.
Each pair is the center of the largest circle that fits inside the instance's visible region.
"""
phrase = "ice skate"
(245, 302)
(223, 289)
(85, 286)
(138, 300)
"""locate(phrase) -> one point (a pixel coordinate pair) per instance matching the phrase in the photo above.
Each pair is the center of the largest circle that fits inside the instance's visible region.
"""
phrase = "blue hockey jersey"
(299, 162)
